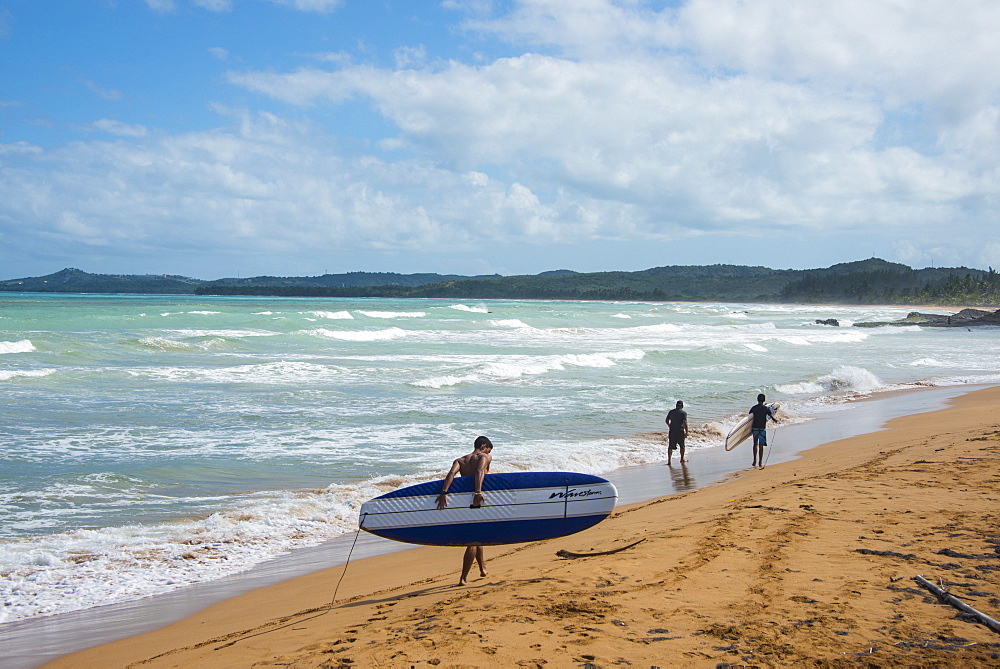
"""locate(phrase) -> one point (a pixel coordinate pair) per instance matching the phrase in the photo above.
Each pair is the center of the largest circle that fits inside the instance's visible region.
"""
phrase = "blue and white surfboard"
(519, 507)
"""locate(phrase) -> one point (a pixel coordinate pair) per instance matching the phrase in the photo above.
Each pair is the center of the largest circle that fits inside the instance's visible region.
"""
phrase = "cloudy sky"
(217, 138)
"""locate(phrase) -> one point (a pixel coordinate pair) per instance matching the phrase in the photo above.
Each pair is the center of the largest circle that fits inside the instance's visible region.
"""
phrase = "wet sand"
(808, 561)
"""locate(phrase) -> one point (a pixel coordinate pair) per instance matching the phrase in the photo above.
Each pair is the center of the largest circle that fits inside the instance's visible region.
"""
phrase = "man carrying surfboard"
(760, 412)
(476, 464)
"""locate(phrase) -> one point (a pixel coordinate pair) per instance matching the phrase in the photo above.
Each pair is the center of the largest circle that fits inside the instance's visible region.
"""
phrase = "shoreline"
(636, 484)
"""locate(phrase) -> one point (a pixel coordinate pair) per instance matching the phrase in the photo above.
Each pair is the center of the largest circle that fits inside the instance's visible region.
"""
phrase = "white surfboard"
(519, 507)
(741, 432)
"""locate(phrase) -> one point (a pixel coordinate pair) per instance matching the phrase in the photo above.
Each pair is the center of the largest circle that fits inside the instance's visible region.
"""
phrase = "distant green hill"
(872, 281)
(76, 281)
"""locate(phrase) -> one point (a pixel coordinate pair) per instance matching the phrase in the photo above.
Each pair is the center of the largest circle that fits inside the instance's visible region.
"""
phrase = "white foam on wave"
(80, 569)
(511, 323)
(834, 337)
(229, 334)
(278, 373)
(332, 315)
(480, 309)
(926, 362)
(8, 374)
(23, 346)
(801, 388)
(165, 344)
(86, 568)
(626, 316)
(195, 313)
(361, 335)
(843, 379)
(516, 367)
(392, 314)
(656, 329)
(755, 347)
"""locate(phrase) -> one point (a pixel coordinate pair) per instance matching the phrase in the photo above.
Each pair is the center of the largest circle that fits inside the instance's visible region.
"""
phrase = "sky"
(224, 138)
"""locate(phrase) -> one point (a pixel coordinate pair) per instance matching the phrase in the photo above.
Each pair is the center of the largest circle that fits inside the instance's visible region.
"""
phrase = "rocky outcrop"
(963, 318)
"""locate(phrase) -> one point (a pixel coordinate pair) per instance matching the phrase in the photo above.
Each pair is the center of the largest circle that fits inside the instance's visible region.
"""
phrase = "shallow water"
(156, 442)
(29, 643)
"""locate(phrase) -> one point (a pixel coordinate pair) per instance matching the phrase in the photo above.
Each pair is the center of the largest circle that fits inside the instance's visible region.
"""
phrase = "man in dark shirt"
(677, 421)
(760, 412)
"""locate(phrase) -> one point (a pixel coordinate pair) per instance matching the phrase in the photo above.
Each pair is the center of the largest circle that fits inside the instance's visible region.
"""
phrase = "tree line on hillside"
(897, 287)
(872, 281)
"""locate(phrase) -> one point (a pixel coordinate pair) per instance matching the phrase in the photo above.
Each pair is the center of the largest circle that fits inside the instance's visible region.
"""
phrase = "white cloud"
(161, 5)
(109, 94)
(214, 5)
(322, 6)
(272, 185)
(689, 150)
(934, 50)
(616, 122)
(118, 128)
(583, 28)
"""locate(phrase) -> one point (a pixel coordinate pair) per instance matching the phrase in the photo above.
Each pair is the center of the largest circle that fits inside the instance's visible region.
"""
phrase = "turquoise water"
(152, 442)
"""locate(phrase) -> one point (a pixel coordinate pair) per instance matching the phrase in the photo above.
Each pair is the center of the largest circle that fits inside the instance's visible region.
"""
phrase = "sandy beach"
(809, 561)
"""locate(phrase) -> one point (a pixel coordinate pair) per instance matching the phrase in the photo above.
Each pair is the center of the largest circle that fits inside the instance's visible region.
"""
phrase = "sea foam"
(392, 314)
(843, 379)
(23, 346)
(7, 375)
(361, 335)
(475, 310)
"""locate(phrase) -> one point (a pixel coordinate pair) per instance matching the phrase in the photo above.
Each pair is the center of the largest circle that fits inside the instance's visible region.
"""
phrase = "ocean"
(154, 442)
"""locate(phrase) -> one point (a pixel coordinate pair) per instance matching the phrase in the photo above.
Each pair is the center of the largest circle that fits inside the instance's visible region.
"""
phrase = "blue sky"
(216, 138)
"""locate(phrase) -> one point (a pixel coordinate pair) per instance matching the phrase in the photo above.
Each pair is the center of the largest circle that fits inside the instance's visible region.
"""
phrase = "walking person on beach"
(677, 422)
(477, 464)
(760, 412)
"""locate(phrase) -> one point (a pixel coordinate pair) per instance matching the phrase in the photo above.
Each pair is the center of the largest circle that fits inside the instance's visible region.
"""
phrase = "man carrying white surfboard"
(476, 464)
(760, 412)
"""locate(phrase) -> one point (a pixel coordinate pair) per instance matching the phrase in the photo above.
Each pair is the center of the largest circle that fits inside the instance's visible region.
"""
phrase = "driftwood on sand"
(569, 554)
(943, 595)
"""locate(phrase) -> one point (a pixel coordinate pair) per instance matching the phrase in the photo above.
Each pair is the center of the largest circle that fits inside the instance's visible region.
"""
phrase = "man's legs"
(759, 442)
(472, 554)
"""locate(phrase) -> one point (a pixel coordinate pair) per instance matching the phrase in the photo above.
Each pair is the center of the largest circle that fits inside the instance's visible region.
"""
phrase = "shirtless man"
(477, 464)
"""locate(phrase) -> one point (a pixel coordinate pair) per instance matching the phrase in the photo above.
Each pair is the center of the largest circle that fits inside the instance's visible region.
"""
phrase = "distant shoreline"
(868, 282)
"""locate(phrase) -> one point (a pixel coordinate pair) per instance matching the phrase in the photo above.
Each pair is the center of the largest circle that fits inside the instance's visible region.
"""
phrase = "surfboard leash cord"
(774, 439)
(326, 609)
